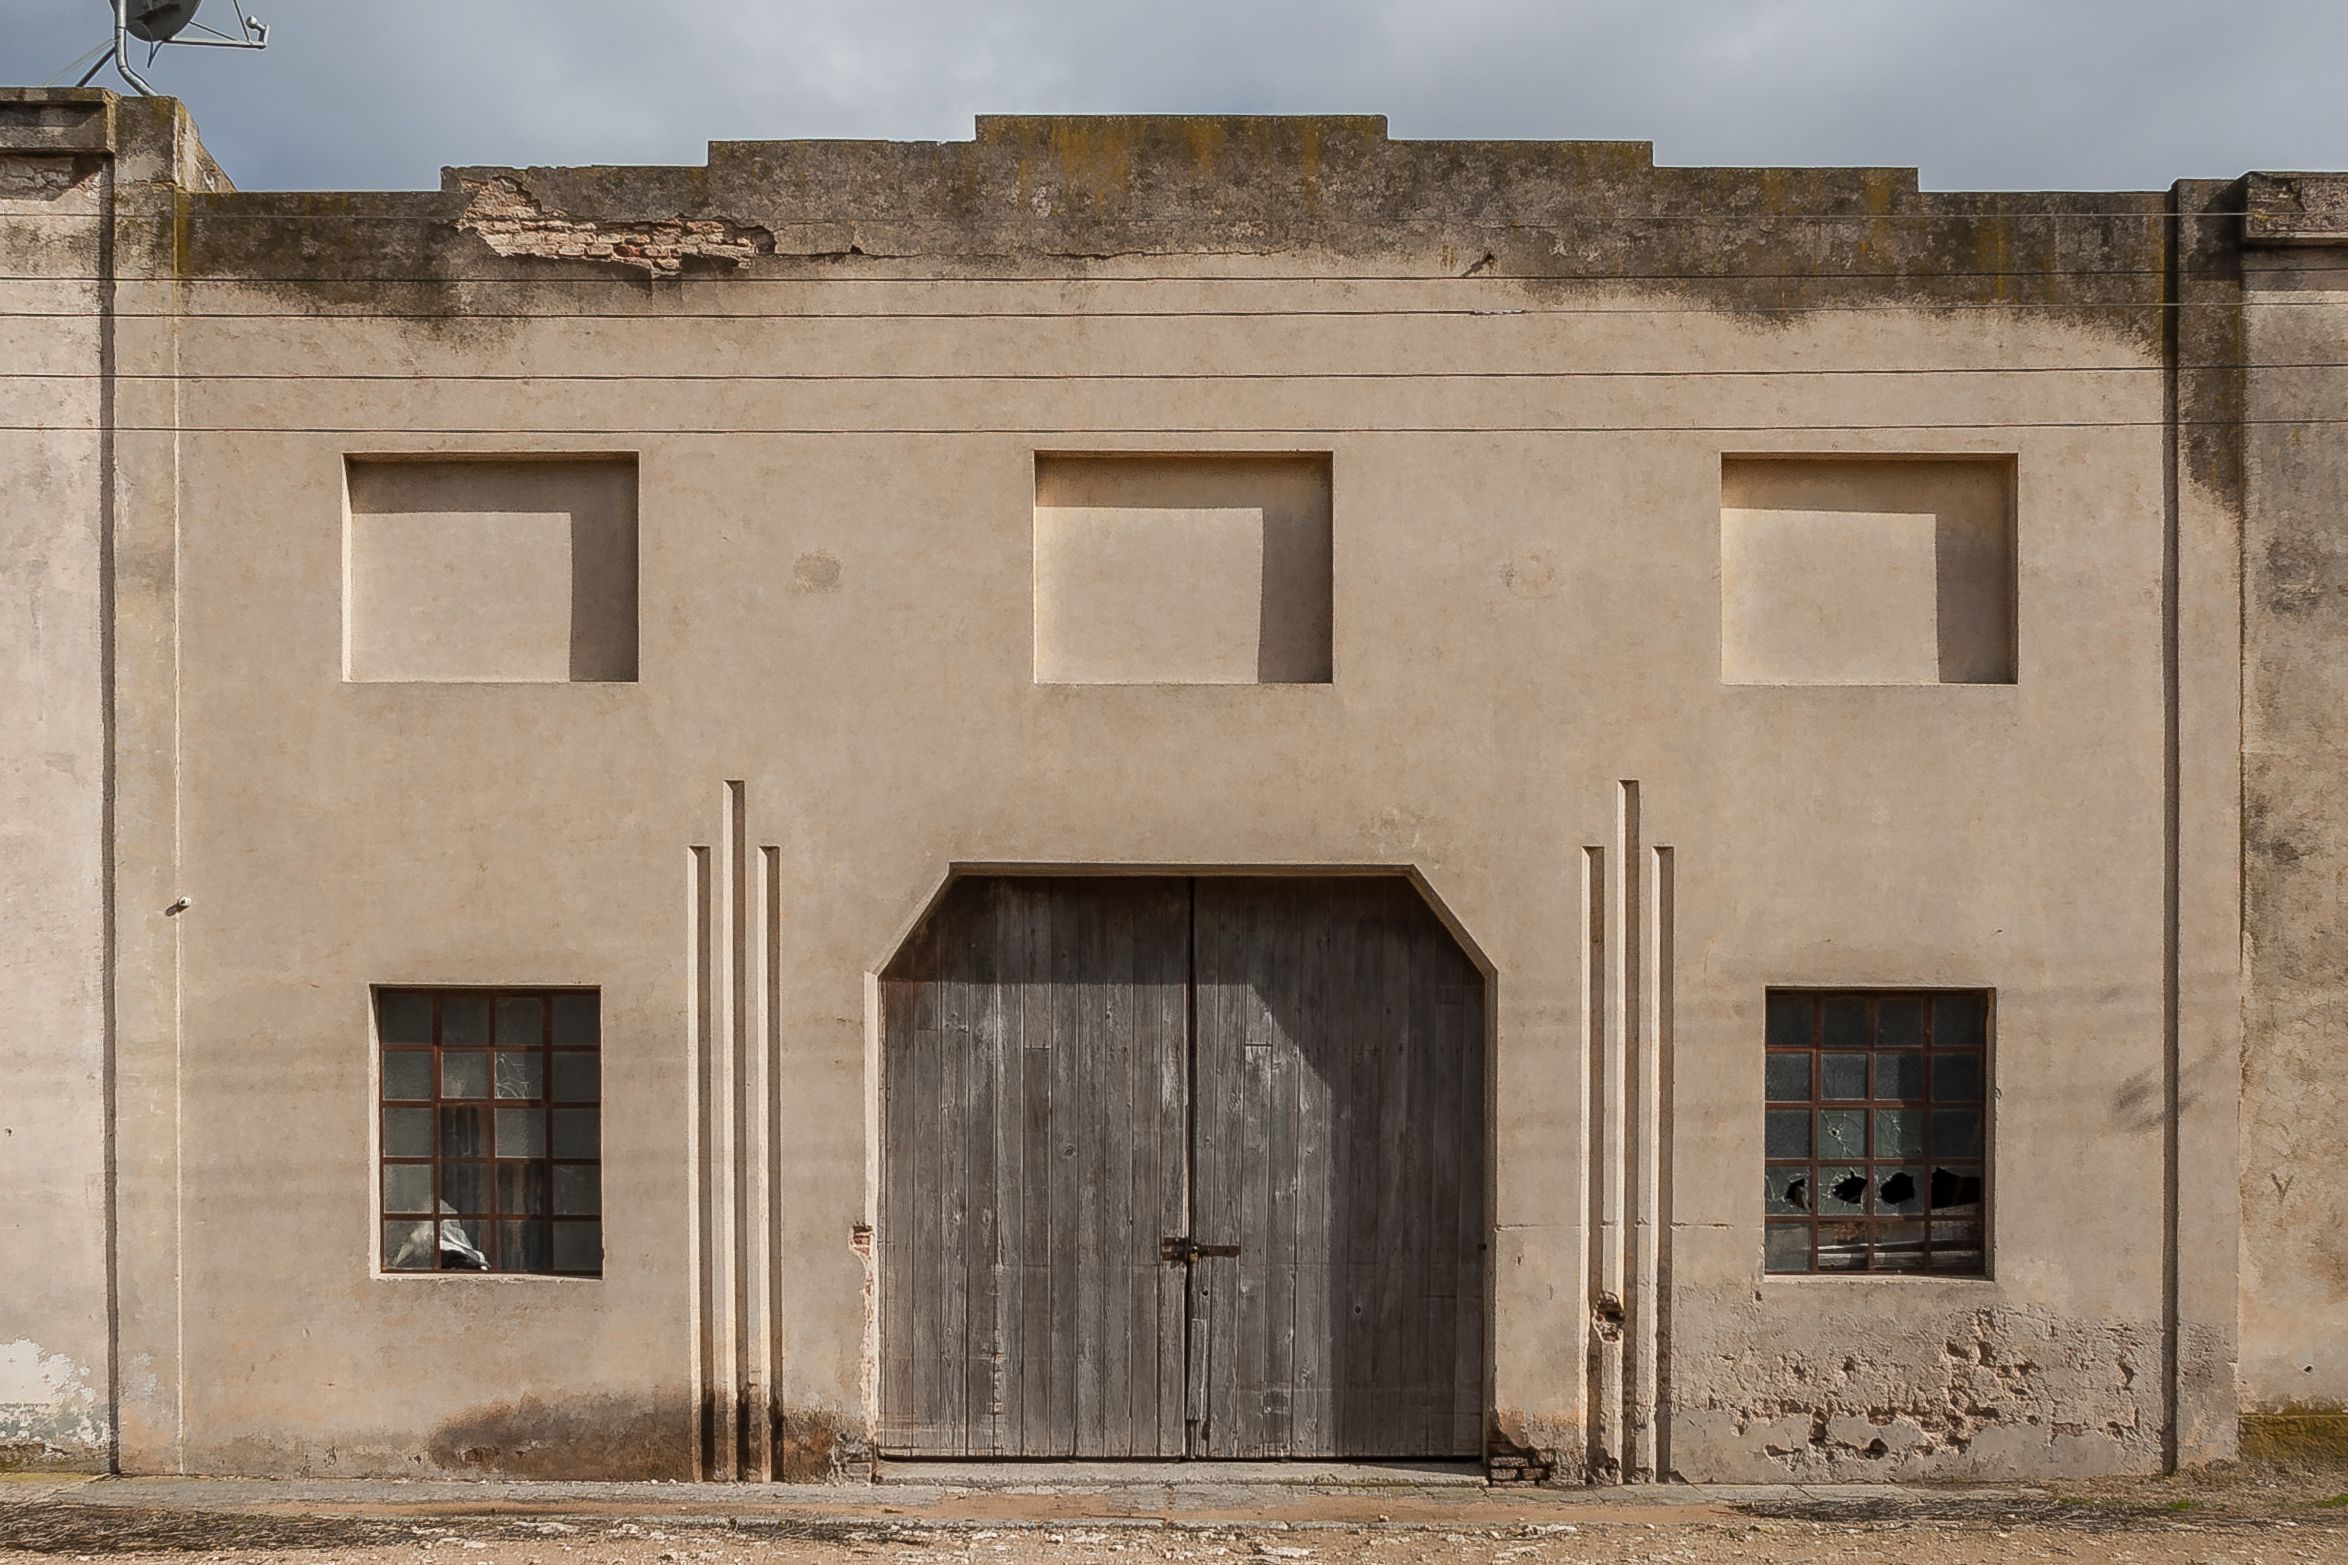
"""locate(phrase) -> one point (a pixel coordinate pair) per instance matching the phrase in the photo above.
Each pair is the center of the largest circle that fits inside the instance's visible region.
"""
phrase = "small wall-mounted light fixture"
(176, 908)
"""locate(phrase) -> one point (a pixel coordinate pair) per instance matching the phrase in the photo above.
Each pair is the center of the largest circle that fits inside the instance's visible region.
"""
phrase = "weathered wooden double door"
(1182, 1167)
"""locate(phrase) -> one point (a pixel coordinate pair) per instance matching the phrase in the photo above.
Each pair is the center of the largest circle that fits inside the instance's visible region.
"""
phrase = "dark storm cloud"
(2012, 94)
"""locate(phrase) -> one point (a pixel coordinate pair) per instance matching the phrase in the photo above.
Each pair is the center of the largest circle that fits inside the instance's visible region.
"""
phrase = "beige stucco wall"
(836, 530)
(2295, 860)
(54, 1392)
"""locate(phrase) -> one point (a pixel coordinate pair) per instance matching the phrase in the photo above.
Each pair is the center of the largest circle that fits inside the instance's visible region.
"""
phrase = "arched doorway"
(1182, 1166)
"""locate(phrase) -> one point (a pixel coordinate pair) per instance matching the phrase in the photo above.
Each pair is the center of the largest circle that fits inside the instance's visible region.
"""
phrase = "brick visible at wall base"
(1512, 1464)
(2297, 1434)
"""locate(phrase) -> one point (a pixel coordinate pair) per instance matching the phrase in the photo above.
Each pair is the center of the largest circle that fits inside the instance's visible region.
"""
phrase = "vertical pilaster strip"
(757, 1186)
(1602, 1451)
(699, 1006)
(725, 1143)
(1651, 1305)
(1616, 1105)
(1626, 1106)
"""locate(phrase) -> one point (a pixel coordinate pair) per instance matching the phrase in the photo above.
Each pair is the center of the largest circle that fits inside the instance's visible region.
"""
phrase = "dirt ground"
(2236, 1518)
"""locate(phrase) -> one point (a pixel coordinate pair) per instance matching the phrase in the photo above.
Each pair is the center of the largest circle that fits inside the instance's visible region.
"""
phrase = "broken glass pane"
(1899, 1075)
(407, 1132)
(464, 1021)
(1899, 1132)
(578, 1247)
(521, 1132)
(577, 1024)
(1842, 1247)
(577, 1190)
(1784, 1190)
(407, 1187)
(1899, 1247)
(407, 1073)
(575, 1076)
(517, 1074)
(1844, 1023)
(1899, 1022)
(1789, 1078)
(1899, 1191)
(407, 1247)
(1960, 1020)
(1842, 1191)
(521, 1022)
(1956, 1132)
(1956, 1078)
(464, 1187)
(464, 1132)
(461, 1247)
(403, 1016)
(464, 1075)
(1957, 1188)
(1843, 1075)
(1788, 1133)
(523, 1247)
(576, 1133)
(1842, 1132)
(521, 1188)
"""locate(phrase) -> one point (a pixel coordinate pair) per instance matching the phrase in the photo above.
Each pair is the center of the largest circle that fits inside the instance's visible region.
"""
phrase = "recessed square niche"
(1205, 570)
(1867, 570)
(518, 569)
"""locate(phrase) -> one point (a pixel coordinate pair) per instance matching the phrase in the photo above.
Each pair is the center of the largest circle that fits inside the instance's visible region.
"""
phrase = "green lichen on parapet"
(2286, 209)
(1307, 195)
(2298, 1434)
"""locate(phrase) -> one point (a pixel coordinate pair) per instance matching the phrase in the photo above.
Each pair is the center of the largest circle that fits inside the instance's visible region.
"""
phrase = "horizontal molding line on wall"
(793, 377)
(2150, 215)
(640, 432)
(1903, 307)
(829, 278)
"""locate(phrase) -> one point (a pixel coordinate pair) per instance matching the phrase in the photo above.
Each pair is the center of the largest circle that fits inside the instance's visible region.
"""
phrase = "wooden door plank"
(1312, 1429)
(1220, 1131)
(931, 1259)
(1118, 1042)
(1292, 1027)
(896, 1241)
(1398, 1229)
(1171, 1099)
(982, 1180)
(1240, 1409)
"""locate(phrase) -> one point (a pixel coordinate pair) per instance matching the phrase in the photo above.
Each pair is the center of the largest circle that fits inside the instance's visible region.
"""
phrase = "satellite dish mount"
(158, 22)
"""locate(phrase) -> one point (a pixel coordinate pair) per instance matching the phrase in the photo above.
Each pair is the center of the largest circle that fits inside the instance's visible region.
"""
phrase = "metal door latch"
(1187, 1251)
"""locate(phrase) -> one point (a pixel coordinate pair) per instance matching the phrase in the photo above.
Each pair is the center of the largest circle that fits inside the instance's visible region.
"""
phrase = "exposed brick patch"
(514, 223)
(1508, 1463)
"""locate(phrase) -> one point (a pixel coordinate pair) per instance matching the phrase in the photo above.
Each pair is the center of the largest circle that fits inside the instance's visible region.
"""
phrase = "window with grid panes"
(1876, 1133)
(491, 1130)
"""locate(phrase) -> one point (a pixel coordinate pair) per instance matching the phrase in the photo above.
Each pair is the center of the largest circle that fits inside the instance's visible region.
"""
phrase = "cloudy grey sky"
(1993, 94)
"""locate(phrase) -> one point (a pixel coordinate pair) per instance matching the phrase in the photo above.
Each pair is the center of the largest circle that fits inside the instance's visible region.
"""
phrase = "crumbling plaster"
(1849, 1392)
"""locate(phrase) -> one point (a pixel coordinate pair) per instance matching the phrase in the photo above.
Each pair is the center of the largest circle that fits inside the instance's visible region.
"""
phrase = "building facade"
(1174, 787)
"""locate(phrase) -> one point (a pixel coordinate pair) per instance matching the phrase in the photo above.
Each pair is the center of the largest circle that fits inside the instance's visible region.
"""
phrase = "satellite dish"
(158, 22)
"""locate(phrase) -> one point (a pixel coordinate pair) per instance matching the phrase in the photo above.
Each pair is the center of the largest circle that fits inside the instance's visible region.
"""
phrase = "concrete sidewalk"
(1010, 1496)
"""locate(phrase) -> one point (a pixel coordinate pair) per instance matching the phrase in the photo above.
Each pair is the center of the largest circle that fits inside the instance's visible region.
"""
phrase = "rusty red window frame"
(1943, 1230)
(488, 1217)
